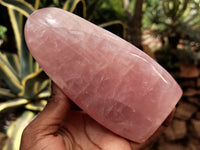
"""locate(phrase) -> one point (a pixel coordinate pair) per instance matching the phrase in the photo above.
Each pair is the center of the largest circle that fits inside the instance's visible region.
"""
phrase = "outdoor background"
(167, 30)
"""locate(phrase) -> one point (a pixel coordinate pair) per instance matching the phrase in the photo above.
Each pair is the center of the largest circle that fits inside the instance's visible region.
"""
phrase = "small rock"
(169, 146)
(194, 144)
(195, 100)
(188, 83)
(188, 70)
(198, 82)
(191, 92)
(185, 111)
(197, 115)
(177, 130)
(195, 127)
(193, 147)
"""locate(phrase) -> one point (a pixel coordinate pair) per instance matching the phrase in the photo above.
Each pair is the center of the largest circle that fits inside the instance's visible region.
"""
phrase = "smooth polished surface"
(114, 82)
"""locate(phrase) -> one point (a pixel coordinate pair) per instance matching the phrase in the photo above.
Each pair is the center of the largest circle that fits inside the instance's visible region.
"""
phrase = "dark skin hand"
(58, 127)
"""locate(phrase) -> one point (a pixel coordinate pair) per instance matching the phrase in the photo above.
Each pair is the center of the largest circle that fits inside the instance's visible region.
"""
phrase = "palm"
(80, 132)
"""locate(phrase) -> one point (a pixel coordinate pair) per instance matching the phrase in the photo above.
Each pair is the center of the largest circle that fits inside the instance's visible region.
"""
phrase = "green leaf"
(41, 87)
(15, 19)
(44, 95)
(9, 76)
(26, 62)
(110, 23)
(39, 106)
(165, 5)
(15, 10)
(19, 5)
(3, 31)
(5, 61)
(92, 7)
(70, 5)
(13, 103)
(30, 82)
(14, 132)
(37, 2)
(14, 61)
(36, 67)
(6, 94)
(184, 7)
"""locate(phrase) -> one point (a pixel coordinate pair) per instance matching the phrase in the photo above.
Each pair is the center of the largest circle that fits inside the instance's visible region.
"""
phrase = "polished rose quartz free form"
(111, 80)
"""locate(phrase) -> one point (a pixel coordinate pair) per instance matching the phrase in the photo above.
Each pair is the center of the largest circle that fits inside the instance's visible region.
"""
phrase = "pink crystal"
(114, 82)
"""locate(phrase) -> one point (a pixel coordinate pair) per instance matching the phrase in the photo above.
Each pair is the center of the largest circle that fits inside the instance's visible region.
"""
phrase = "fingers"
(49, 120)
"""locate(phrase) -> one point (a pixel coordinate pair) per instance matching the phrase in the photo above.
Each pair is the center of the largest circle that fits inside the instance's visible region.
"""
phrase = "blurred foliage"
(105, 10)
(177, 24)
(2, 32)
(108, 14)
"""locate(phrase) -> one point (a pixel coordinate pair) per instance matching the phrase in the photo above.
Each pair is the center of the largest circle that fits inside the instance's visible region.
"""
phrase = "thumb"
(49, 120)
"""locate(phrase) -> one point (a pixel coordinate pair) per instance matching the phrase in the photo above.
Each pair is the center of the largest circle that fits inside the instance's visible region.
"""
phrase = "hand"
(59, 128)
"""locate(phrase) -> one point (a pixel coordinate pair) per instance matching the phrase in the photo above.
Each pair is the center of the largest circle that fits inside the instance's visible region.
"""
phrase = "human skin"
(59, 127)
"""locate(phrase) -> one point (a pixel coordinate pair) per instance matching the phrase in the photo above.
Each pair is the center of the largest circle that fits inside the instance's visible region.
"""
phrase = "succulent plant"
(24, 85)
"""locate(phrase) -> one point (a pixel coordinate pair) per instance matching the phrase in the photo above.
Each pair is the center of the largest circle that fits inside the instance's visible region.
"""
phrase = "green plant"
(108, 14)
(2, 32)
(24, 84)
(176, 23)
